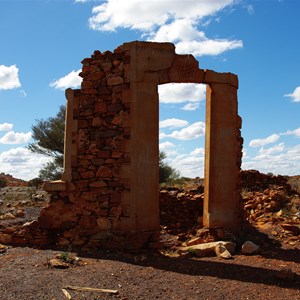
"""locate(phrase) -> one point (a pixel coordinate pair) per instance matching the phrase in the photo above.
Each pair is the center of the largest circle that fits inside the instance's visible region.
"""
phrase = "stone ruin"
(108, 196)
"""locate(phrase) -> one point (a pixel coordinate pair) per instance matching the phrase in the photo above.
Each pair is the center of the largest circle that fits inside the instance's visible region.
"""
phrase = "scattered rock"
(222, 252)
(8, 216)
(20, 213)
(37, 197)
(194, 241)
(57, 263)
(3, 248)
(207, 249)
(249, 248)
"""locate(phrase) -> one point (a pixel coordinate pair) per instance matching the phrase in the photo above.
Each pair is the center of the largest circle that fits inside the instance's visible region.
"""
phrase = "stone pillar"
(221, 201)
(144, 155)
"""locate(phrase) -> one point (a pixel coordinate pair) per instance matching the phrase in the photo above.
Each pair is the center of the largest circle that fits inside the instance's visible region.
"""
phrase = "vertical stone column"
(221, 201)
(144, 155)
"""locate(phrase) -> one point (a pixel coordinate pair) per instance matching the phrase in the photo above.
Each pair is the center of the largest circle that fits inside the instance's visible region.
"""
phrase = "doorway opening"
(182, 145)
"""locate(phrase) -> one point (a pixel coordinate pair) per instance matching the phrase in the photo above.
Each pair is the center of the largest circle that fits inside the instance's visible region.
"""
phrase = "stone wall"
(108, 196)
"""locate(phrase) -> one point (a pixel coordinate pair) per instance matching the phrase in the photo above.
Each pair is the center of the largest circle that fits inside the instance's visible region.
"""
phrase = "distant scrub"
(3, 182)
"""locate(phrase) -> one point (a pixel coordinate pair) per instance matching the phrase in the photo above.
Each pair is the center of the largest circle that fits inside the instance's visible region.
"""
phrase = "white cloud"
(295, 95)
(191, 106)
(250, 9)
(81, 1)
(22, 163)
(12, 137)
(144, 15)
(162, 135)
(168, 21)
(191, 132)
(295, 132)
(207, 47)
(6, 126)
(262, 142)
(198, 151)
(275, 149)
(277, 160)
(173, 123)
(23, 93)
(166, 145)
(9, 78)
(181, 92)
(189, 39)
(71, 80)
(190, 164)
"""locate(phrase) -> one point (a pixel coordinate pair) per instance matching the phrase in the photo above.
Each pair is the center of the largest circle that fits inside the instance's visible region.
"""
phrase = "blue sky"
(44, 41)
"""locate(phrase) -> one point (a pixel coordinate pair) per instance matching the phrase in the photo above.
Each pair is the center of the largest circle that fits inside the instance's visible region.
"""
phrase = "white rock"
(249, 248)
(207, 249)
(222, 252)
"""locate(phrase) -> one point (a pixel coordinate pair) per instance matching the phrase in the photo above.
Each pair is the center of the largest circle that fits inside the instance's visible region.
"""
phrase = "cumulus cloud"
(295, 95)
(22, 163)
(71, 80)
(262, 142)
(189, 164)
(279, 159)
(268, 151)
(9, 77)
(207, 46)
(6, 126)
(12, 137)
(166, 145)
(189, 39)
(168, 21)
(198, 151)
(173, 123)
(181, 93)
(191, 132)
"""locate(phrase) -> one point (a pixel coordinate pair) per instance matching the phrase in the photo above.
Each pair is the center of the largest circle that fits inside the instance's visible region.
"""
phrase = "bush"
(3, 182)
(35, 182)
(166, 172)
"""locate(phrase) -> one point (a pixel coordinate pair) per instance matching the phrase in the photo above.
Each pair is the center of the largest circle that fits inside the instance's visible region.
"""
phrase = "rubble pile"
(253, 180)
(271, 205)
(20, 204)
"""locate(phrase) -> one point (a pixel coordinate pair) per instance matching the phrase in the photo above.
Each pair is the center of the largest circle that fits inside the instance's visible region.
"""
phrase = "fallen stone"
(8, 216)
(249, 248)
(20, 213)
(222, 252)
(57, 263)
(207, 249)
(194, 241)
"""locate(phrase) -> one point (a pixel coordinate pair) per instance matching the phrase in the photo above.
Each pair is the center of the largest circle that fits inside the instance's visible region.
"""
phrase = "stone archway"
(108, 196)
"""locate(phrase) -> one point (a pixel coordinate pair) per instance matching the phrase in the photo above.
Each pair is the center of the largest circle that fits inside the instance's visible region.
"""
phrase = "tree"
(166, 172)
(49, 140)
